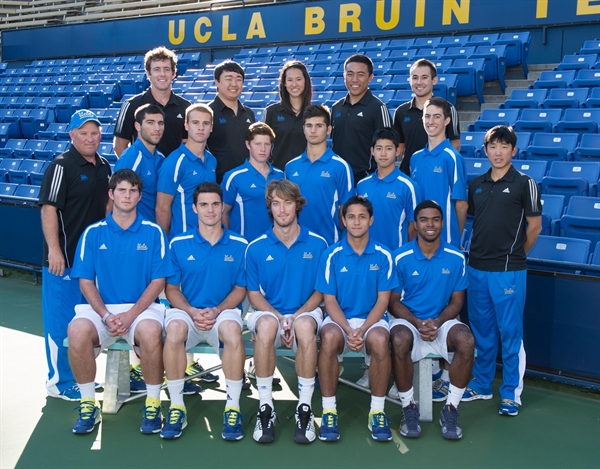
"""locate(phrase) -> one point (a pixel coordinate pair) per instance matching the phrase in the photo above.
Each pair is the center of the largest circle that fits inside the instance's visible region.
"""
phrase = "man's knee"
(266, 327)
(377, 341)
(177, 332)
(230, 333)
(402, 340)
(81, 331)
(305, 329)
(149, 333)
(461, 340)
(331, 337)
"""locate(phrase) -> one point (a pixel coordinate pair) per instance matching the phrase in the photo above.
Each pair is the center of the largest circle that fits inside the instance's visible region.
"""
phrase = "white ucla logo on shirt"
(142, 247)
(307, 255)
(228, 258)
(373, 267)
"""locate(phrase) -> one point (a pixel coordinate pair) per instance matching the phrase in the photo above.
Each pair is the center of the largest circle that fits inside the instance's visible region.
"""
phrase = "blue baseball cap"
(81, 117)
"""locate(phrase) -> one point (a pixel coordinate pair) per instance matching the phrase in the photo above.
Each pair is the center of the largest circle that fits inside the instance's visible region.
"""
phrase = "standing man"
(324, 178)
(232, 118)
(281, 268)
(73, 195)
(408, 118)
(507, 221)
(357, 116)
(432, 280)
(439, 170)
(205, 293)
(354, 321)
(161, 68)
(185, 168)
(143, 157)
(121, 264)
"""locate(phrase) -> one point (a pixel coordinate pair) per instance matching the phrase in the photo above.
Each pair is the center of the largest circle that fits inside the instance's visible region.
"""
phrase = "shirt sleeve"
(399, 277)
(166, 177)
(83, 265)
(229, 187)
(240, 279)
(471, 209)
(462, 281)
(175, 278)
(125, 160)
(531, 199)
(345, 183)
(459, 178)
(124, 126)
(54, 186)
(388, 280)
(453, 127)
(252, 280)
(398, 126)
(383, 119)
(326, 280)
(161, 259)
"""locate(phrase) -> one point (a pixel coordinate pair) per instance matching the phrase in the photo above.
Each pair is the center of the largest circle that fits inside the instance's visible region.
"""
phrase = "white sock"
(234, 390)
(454, 395)
(175, 387)
(190, 358)
(407, 397)
(377, 403)
(153, 391)
(265, 390)
(306, 388)
(87, 390)
(329, 403)
(446, 375)
(435, 367)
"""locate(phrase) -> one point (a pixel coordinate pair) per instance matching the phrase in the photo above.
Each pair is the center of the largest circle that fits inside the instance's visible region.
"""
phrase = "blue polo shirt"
(356, 280)
(244, 189)
(285, 277)
(179, 176)
(206, 273)
(427, 284)
(325, 184)
(394, 199)
(122, 262)
(442, 176)
(146, 165)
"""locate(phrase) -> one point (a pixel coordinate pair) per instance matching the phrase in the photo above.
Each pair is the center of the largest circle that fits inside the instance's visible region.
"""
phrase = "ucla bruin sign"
(292, 22)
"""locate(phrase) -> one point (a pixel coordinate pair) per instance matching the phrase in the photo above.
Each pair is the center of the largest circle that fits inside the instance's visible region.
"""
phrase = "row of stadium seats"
(580, 218)
(562, 98)
(567, 79)
(46, 150)
(579, 62)
(564, 249)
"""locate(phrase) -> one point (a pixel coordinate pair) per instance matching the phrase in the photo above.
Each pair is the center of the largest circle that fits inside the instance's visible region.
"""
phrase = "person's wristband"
(105, 317)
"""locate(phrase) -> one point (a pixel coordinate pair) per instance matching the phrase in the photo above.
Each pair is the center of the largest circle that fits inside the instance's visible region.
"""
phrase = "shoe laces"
(450, 416)
(330, 419)
(232, 416)
(411, 414)
(303, 417)
(265, 418)
(380, 420)
(509, 402)
(151, 412)
(135, 374)
(175, 415)
(86, 409)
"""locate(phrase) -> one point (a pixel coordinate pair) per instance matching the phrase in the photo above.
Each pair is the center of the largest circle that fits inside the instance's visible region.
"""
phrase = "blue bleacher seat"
(55, 131)
(476, 167)
(322, 84)
(32, 166)
(339, 84)
(324, 70)
(27, 193)
(552, 147)
(431, 54)
(287, 51)
(524, 99)
(482, 39)
(400, 44)
(402, 55)
(7, 189)
(4, 134)
(495, 62)
(492, 117)
(379, 56)
(590, 47)
(383, 95)
(517, 48)
(106, 150)
(534, 169)
(374, 45)
(471, 77)
(353, 46)
(379, 82)
(587, 79)
(561, 249)
(594, 100)
(17, 176)
(262, 100)
(555, 79)
(65, 109)
(459, 52)
(572, 178)
(446, 87)
(442, 65)
(11, 145)
(582, 219)
(538, 120)
(454, 40)
(588, 149)
(577, 62)
(400, 67)
(30, 147)
(553, 207)
(580, 121)
(382, 68)
(37, 120)
(325, 57)
(134, 83)
(107, 133)
(426, 42)
(400, 97)
(53, 148)
(563, 98)
(471, 144)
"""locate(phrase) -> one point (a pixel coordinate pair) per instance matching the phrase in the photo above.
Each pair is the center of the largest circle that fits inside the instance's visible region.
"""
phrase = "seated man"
(432, 282)
(209, 267)
(121, 264)
(281, 268)
(356, 277)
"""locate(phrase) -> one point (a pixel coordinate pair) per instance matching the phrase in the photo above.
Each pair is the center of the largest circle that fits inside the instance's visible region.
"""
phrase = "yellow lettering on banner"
(256, 27)
(420, 14)
(461, 12)
(227, 36)
(380, 15)
(349, 15)
(179, 38)
(202, 21)
(541, 9)
(584, 7)
(313, 20)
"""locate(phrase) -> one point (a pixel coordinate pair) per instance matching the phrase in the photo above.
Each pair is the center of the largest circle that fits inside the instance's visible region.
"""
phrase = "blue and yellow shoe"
(329, 426)
(175, 422)
(152, 420)
(136, 380)
(69, 394)
(232, 425)
(509, 407)
(379, 426)
(440, 390)
(196, 368)
(89, 416)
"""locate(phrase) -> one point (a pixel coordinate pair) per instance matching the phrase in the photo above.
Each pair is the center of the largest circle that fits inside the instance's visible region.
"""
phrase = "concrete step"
(468, 116)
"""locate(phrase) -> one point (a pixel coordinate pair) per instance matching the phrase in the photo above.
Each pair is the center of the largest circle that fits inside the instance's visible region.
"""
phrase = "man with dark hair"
(507, 212)
(143, 157)
(121, 301)
(440, 171)
(408, 116)
(357, 116)
(355, 321)
(73, 195)
(281, 268)
(205, 292)
(161, 67)
(231, 117)
(430, 294)
(324, 178)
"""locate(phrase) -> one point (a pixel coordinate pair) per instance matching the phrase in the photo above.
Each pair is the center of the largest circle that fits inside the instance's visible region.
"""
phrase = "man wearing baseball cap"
(74, 194)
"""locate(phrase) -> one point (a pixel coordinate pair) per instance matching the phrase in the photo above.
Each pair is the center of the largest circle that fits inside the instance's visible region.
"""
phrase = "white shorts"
(355, 323)
(421, 348)
(253, 318)
(155, 312)
(196, 336)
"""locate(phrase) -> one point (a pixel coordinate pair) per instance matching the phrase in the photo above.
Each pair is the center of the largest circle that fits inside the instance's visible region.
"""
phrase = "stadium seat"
(554, 79)
(383, 95)
(471, 144)
(402, 55)
(582, 219)
(492, 117)
(378, 83)
(596, 255)
(53, 148)
(400, 67)
(538, 120)
(594, 100)
(379, 56)
(107, 133)
(579, 121)
(476, 167)
(322, 84)
(339, 84)
(11, 145)
(572, 178)
(524, 99)
(431, 54)
(553, 207)
(553, 248)
(534, 169)
(399, 44)
(577, 62)
(106, 150)
(262, 100)
(482, 40)
(324, 70)
(324, 57)
(5, 133)
(37, 120)
(588, 149)
(400, 97)
(373, 45)
(562, 98)
(27, 193)
(30, 147)
(460, 52)
(517, 48)
(454, 40)
(587, 79)
(381, 68)
(446, 87)
(55, 131)
(442, 65)
(590, 47)
(7, 189)
(65, 109)
(426, 42)
(286, 51)
(265, 86)
(471, 77)
(495, 63)
(552, 147)
(134, 83)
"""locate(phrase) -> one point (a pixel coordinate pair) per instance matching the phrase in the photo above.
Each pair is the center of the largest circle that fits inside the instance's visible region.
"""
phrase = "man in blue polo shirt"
(183, 170)
(244, 186)
(281, 267)
(121, 264)
(143, 157)
(440, 171)
(431, 289)
(205, 293)
(356, 278)
(325, 179)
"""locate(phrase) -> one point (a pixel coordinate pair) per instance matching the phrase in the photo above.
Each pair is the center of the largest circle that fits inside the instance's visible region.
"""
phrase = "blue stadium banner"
(319, 20)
